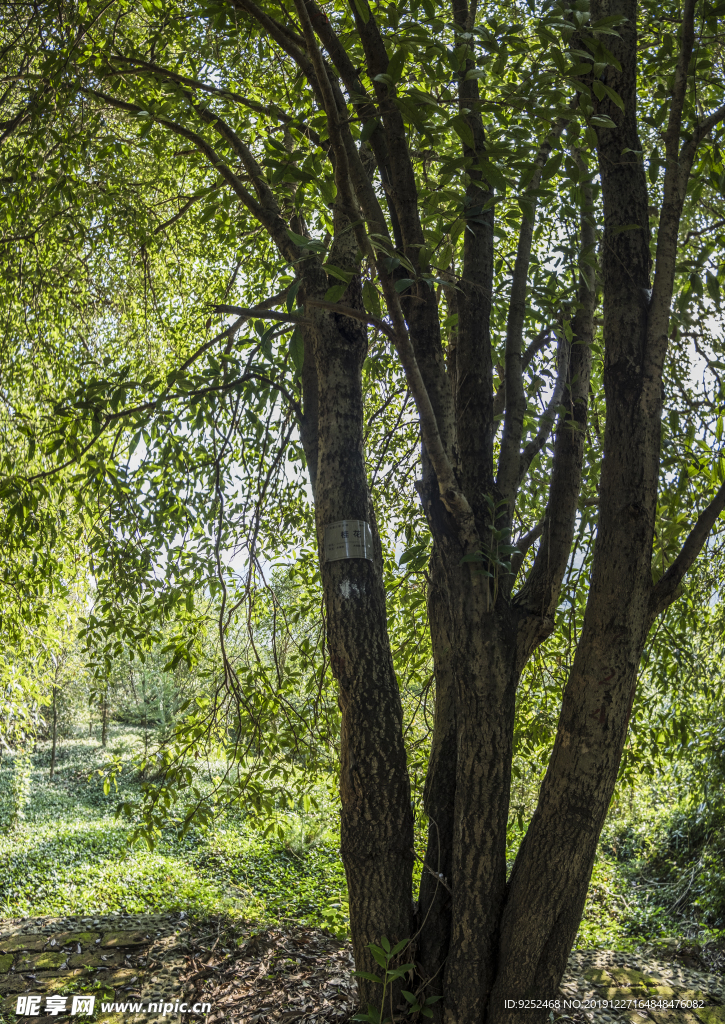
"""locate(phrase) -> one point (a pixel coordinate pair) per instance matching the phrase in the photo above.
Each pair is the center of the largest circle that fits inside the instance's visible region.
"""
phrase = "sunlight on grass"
(70, 854)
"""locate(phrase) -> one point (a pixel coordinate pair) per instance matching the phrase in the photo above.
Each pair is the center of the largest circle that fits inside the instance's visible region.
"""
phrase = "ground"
(140, 967)
(69, 854)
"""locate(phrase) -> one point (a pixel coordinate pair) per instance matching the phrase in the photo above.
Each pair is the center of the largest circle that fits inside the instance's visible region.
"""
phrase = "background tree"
(391, 170)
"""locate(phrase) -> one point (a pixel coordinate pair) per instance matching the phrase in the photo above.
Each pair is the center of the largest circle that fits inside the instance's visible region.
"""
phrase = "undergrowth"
(69, 854)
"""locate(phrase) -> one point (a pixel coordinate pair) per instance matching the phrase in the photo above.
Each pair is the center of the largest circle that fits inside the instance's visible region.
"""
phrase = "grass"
(70, 854)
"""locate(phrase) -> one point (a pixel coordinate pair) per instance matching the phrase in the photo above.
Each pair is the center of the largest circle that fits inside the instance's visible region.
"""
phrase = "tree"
(373, 156)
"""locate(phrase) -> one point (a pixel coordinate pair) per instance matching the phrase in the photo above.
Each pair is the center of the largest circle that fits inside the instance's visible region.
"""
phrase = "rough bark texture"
(485, 699)
(434, 902)
(376, 815)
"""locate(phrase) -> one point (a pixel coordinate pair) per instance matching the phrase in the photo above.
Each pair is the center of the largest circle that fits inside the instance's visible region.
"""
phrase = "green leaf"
(601, 90)
(610, 21)
(368, 976)
(379, 955)
(602, 121)
(462, 130)
(713, 287)
(298, 239)
(654, 166)
(335, 293)
(403, 284)
(493, 175)
(297, 349)
(338, 272)
(362, 9)
(369, 128)
(371, 299)
(399, 972)
(396, 63)
(552, 166)
(292, 294)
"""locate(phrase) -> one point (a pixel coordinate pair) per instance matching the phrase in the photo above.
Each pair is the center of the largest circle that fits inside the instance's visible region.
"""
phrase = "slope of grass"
(659, 878)
(70, 854)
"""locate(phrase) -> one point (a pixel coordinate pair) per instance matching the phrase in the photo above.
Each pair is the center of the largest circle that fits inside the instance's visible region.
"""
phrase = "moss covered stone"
(15, 943)
(113, 939)
(83, 939)
(630, 977)
(598, 976)
(99, 958)
(41, 961)
(14, 983)
(711, 1014)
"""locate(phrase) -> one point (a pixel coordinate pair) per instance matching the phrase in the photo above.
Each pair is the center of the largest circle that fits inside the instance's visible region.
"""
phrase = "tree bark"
(104, 718)
(486, 681)
(434, 901)
(55, 728)
(376, 813)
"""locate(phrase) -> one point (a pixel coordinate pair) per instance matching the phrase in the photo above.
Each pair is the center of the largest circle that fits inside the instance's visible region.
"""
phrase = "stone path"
(614, 987)
(116, 957)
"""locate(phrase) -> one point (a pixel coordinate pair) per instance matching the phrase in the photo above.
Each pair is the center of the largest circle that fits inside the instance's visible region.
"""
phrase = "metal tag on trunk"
(350, 538)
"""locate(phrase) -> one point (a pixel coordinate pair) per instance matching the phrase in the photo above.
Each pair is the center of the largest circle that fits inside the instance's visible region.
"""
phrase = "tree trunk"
(494, 635)
(376, 813)
(55, 730)
(486, 680)
(104, 718)
(435, 900)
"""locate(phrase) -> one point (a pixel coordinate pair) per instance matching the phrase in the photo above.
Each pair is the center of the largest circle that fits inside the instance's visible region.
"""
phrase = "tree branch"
(263, 314)
(548, 417)
(422, 316)
(679, 88)
(270, 220)
(534, 347)
(342, 166)
(677, 171)
(354, 314)
(665, 590)
(472, 362)
(689, 148)
(509, 458)
(288, 41)
(538, 597)
(363, 103)
(451, 495)
(177, 216)
(271, 110)
(523, 544)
